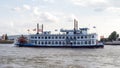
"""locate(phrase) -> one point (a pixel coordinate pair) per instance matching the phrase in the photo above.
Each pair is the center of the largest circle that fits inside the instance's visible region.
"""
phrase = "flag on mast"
(28, 30)
(34, 29)
(94, 26)
(56, 30)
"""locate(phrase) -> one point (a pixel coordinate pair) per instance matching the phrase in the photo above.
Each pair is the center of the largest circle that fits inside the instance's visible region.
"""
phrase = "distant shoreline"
(6, 41)
(113, 43)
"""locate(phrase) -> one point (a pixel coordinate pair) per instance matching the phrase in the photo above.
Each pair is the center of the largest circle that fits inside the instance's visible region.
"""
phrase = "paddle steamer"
(67, 38)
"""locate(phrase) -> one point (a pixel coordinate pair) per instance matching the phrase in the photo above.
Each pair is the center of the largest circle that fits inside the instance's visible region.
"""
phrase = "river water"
(28, 57)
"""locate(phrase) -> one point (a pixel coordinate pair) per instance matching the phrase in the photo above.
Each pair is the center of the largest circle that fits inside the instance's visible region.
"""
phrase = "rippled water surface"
(28, 57)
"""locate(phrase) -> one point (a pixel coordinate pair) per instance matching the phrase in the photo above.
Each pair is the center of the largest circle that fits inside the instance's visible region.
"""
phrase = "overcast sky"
(17, 16)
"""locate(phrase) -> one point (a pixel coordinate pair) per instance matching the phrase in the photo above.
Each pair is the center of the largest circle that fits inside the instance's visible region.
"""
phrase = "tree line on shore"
(112, 37)
(4, 37)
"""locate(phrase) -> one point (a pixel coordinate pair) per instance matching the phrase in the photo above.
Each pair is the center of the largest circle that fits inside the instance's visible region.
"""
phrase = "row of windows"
(62, 42)
(62, 37)
(48, 42)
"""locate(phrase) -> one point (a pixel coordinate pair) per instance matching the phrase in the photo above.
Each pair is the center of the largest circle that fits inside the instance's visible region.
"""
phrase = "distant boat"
(69, 38)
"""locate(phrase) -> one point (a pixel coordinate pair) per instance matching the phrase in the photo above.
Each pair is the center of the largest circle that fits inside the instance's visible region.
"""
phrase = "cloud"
(49, 17)
(16, 9)
(44, 16)
(88, 3)
(69, 17)
(114, 3)
(50, 1)
(53, 17)
(11, 24)
(25, 7)
(99, 5)
(36, 11)
(113, 10)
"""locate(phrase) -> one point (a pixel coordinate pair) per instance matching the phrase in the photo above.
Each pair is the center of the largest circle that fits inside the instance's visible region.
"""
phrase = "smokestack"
(37, 28)
(42, 28)
(75, 24)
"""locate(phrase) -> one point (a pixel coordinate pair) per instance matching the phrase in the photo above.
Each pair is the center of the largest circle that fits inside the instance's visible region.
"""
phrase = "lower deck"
(80, 46)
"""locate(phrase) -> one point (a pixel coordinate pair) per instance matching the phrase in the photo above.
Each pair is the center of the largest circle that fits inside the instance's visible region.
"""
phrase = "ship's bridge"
(84, 30)
(74, 31)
